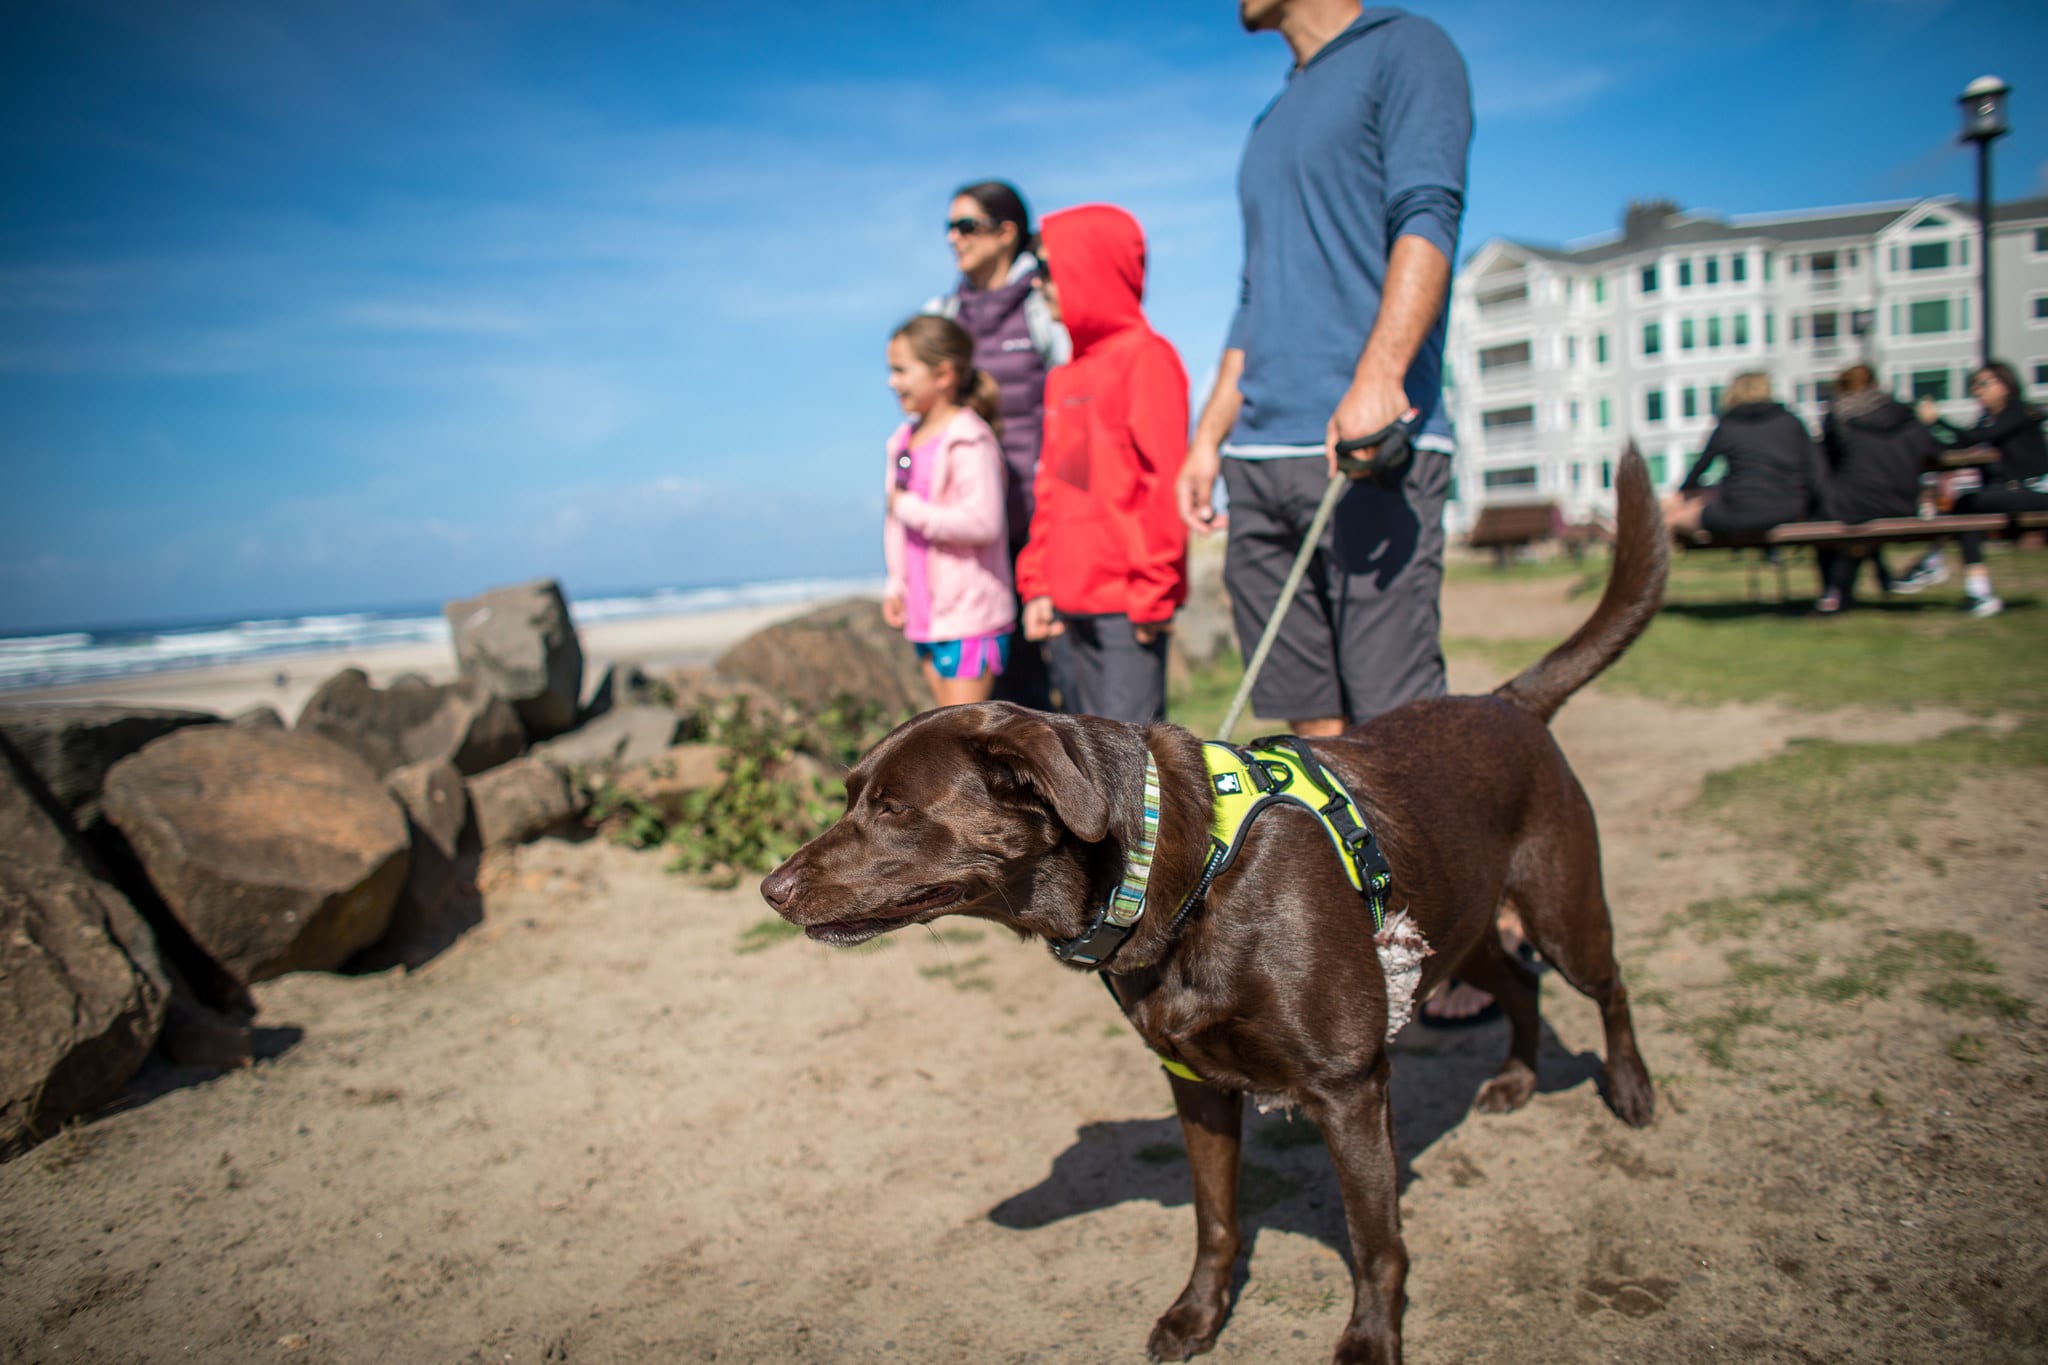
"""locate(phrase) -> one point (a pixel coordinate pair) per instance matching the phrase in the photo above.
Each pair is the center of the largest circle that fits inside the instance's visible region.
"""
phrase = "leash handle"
(1391, 448)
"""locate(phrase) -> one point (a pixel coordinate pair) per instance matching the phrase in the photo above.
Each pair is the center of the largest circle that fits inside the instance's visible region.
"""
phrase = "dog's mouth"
(846, 932)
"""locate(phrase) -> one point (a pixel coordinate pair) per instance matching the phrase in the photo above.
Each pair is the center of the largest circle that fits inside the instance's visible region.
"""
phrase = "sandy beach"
(286, 681)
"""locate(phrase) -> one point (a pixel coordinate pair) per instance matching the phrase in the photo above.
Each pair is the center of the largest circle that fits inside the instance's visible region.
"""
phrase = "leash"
(1391, 447)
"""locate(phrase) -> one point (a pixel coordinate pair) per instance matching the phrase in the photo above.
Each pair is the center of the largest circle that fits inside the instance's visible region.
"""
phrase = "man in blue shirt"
(1352, 187)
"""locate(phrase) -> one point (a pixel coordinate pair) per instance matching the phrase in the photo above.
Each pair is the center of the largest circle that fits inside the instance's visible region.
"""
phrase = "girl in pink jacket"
(945, 537)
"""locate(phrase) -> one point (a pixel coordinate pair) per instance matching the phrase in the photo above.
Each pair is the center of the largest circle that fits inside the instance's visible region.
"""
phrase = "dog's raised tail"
(1635, 587)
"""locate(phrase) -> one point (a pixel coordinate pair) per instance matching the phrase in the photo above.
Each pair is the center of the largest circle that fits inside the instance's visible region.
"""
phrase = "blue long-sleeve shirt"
(1366, 144)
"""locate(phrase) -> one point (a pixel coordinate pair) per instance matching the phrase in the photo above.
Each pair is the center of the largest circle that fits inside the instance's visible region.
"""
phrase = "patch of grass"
(1744, 970)
(955, 935)
(1955, 950)
(1716, 1034)
(1977, 997)
(1743, 916)
(765, 933)
(1967, 1048)
(964, 976)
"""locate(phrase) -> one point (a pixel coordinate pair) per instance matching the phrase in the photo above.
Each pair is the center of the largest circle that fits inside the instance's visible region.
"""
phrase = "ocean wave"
(52, 660)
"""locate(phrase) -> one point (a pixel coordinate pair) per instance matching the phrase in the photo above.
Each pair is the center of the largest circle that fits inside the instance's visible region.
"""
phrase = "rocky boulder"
(82, 993)
(520, 645)
(842, 648)
(277, 851)
(414, 722)
(70, 745)
(665, 782)
(521, 801)
(627, 733)
(625, 683)
(438, 900)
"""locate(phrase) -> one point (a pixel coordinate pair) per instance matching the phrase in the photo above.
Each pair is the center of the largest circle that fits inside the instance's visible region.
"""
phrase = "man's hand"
(1040, 622)
(892, 612)
(1196, 490)
(1368, 406)
(1145, 632)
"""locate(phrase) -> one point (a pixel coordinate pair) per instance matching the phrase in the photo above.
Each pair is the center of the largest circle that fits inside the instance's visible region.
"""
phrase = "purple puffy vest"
(1002, 346)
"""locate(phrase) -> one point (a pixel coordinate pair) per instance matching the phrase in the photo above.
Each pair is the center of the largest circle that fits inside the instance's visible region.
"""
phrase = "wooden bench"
(1851, 535)
(1506, 527)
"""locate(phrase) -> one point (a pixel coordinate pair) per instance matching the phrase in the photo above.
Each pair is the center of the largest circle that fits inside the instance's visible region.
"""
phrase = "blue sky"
(311, 305)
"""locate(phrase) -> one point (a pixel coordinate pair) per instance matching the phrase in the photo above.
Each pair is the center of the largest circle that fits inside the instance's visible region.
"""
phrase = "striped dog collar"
(1126, 905)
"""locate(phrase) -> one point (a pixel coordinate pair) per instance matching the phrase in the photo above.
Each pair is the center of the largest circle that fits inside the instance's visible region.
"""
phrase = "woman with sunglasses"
(2018, 482)
(1016, 340)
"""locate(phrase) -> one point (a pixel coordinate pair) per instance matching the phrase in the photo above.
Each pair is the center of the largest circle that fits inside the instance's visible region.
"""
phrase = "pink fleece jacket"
(946, 542)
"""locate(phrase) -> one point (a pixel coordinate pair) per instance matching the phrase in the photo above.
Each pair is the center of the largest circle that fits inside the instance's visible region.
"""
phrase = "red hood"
(1098, 261)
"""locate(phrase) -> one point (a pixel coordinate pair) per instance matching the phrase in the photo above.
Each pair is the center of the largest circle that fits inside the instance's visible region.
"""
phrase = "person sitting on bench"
(2017, 483)
(1773, 474)
(1876, 452)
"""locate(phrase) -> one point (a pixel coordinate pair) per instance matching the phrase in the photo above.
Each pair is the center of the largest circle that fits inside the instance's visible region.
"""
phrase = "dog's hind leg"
(1493, 969)
(1358, 1128)
(1575, 935)
(1212, 1126)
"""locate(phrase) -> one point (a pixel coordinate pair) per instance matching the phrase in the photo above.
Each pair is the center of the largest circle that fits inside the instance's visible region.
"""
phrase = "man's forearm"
(1418, 278)
(1219, 414)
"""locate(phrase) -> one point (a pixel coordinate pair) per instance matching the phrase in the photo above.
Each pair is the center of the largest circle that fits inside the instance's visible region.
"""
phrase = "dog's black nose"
(779, 886)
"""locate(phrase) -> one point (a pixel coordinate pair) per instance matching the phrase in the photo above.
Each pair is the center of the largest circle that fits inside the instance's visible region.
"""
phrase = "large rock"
(842, 648)
(665, 782)
(82, 992)
(519, 643)
(438, 901)
(276, 851)
(70, 745)
(414, 722)
(627, 733)
(520, 801)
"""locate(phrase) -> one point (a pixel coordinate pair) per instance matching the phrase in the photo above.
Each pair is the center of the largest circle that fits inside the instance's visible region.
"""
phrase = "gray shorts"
(1100, 669)
(1361, 636)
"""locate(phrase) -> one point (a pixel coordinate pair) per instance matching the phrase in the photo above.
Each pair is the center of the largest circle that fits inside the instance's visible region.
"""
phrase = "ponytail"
(983, 395)
(941, 341)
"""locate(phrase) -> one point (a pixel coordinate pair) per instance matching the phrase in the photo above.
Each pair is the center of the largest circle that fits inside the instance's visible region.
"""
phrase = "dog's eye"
(889, 809)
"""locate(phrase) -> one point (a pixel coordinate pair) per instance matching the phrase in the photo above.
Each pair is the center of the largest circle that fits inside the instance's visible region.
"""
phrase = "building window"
(1599, 289)
(1770, 329)
(1798, 326)
(1606, 418)
(1653, 406)
(1930, 384)
(1713, 268)
(1522, 476)
(1738, 267)
(1515, 355)
(1895, 261)
(1963, 245)
(1515, 421)
(1685, 334)
(1578, 477)
(1823, 265)
(1895, 319)
(2041, 241)
(1656, 463)
(1574, 418)
(1714, 332)
(1927, 256)
(1741, 321)
(1767, 267)
(1649, 279)
(1653, 338)
(2041, 372)
(1823, 390)
(1926, 316)
(1571, 350)
(1826, 327)
(1689, 401)
(1600, 348)
(2041, 307)
(1607, 473)
(1713, 398)
(1685, 273)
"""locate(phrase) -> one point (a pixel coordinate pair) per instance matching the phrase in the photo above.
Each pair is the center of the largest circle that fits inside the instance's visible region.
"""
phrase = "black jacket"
(1876, 452)
(1774, 472)
(2016, 432)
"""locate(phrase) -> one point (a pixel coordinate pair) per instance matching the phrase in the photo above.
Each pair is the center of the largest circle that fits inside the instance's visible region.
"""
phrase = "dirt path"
(601, 1129)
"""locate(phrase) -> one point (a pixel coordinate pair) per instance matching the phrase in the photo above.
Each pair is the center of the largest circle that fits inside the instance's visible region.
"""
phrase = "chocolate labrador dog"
(1274, 985)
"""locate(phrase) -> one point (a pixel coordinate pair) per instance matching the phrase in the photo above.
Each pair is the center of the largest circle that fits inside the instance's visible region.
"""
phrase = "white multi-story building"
(1559, 357)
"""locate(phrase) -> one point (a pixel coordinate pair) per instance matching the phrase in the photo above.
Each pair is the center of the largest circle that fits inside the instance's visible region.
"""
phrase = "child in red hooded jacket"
(1106, 562)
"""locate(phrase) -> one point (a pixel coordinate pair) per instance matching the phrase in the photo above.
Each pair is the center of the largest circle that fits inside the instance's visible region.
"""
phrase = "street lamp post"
(1983, 103)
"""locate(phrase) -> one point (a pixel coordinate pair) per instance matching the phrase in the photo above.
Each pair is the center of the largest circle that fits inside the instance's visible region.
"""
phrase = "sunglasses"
(969, 227)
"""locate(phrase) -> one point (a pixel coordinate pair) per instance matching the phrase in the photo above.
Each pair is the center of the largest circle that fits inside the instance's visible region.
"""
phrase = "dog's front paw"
(1185, 1331)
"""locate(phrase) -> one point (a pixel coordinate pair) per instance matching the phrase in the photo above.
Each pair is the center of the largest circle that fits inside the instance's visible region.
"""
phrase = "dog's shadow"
(1285, 1179)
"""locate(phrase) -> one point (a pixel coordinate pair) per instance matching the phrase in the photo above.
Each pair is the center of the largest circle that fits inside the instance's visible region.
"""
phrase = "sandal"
(1486, 1014)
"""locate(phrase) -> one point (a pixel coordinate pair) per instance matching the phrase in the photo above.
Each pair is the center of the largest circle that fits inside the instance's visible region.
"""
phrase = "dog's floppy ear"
(1034, 749)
